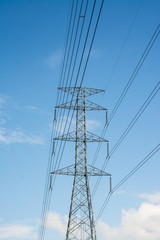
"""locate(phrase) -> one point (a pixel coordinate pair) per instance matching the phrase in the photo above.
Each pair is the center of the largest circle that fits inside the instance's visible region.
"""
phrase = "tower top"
(77, 90)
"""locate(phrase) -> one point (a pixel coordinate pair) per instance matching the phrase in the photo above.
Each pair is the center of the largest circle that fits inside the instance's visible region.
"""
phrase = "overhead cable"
(127, 130)
(48, 201)
(128, 85)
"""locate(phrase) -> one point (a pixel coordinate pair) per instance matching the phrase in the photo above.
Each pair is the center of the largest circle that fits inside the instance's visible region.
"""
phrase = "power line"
(40, 234)
(60, 117)
(81, 80)
(152, 153)
(127, 130)
(48, 200)
(80, 65)
(135, 72)
(137, 116)
(112, 72)
(89, 48)
(75, 86)
(85, 65)
(89, 51)
(65, 51)
(123, 45)
(128, 85)
(69, 47)
(57, 161)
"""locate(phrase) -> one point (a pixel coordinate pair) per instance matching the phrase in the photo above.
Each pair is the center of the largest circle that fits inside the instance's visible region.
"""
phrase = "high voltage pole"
(81, 224)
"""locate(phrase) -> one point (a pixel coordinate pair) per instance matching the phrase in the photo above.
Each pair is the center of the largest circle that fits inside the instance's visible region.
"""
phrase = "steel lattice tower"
(81, 224)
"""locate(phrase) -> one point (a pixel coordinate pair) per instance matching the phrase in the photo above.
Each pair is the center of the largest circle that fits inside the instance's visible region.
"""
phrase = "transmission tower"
(81, 224)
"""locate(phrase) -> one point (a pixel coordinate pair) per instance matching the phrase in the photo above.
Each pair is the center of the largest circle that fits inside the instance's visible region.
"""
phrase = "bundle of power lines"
(83, 22)
(80, 16)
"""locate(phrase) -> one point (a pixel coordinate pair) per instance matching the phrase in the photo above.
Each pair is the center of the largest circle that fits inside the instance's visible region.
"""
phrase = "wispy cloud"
(64, 123)
(153, 198)
(3, 100)
(92, 124)
(36, 110)
(96, 53)
(32, 108)
(8, 136)
(120, 192)
(3, 103)
(54, 59)
(2, 121)
(17, 231)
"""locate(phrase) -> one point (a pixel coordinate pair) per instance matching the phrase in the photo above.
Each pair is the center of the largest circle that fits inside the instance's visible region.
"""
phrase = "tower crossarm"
(77, 91)
(71, 137)
(71, 171)
(89, 106)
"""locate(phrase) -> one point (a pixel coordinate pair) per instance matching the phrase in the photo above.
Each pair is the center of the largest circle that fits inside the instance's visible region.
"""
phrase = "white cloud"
(17, 231)
(17, 136)
(96, 53)
(153, 198)
(54, 60)
(57, 223)
(64, 123)
(2, 121)
(119, 192)
(141, 224)
(32, 107)
(3, 100)
(92, 124)
(8, 136)
(36, 110)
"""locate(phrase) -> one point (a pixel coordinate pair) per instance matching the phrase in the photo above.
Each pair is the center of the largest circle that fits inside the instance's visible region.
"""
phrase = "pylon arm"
(90, 137)
(71, 171)
(89, 106)
(77, 90)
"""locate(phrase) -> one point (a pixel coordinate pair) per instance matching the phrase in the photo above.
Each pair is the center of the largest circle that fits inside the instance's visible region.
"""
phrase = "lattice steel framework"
(81, 220)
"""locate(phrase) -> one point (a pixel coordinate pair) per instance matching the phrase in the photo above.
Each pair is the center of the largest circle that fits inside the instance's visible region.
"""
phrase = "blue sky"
(32, 42)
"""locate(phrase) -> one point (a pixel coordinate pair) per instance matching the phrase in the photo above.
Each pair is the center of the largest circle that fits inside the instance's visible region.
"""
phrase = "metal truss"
(73, 106)
(89, 137)
(79, 91)
(91, 171)
(81, 224)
